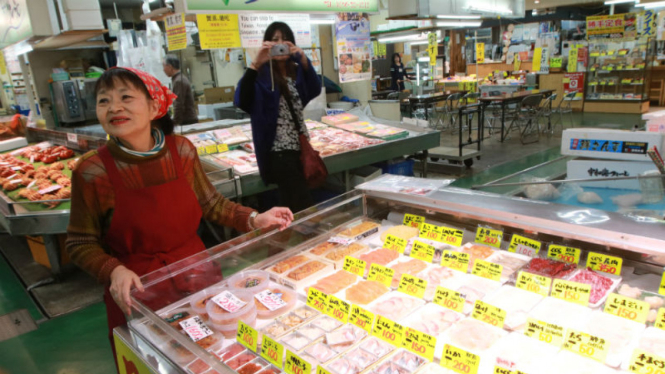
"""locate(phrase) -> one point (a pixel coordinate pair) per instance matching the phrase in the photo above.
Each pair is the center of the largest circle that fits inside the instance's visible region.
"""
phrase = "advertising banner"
(612, 27)
(218, 31)
(353, 47)
(574, 82)
(176, 36)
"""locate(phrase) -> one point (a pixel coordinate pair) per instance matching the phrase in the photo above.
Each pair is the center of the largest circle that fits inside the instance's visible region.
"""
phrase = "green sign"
(234, 6)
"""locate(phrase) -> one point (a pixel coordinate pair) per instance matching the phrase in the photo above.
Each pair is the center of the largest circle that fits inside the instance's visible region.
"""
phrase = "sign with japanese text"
(388, 331)
(353, 46)
(422, 251)
(295, 6)
(643, 362)
(296, 365)
(338, 309)
(354, 266)
(432, 48)
(253, 26)
(247, 336)
(604, 263)
(480, 53)
(449, 299)
(459, 360)
(545, 332)
(572, 60)
(490, 237)
(612, 26)
(413, 220)
(586, 345)
(489, 314)
(534, 283)
(412, 286)
(455, 260)
(381, 274)
(362, 318)
(626, 307)
(487, 270)
(419, 343)
(272, 351)
(564, 253)
(176, 36)
(317, 299)
(394, 243)
(218, 31)
(578, 293)
(525, 246)
(612, 146)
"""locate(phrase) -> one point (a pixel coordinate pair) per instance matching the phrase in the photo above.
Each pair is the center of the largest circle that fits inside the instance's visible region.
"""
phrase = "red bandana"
(162, 94)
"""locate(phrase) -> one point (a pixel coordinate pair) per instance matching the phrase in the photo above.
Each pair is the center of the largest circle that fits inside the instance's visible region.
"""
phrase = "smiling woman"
(138, 200)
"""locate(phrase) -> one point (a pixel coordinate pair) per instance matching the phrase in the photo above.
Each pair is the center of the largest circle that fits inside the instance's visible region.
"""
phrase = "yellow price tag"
(296, 365)
(534, 283)
(489, 314)
(422, 251)
(643, 362)
(413, 220)
(210, 149)
(247, 336)
(563, 253)
(317, 300)
(545, 332)
(354, 266)
(610, 53)
(338, 309)
(626, 307)
(455, 260)
(381, 274)
(431, 232)
(586, 345)
(487, 270)
(524, 246)
(321, 370)
(388, 331)
(449, 299)
(221, 148)
(578, 293)
(394, 243)
(490, 237)
(623, 52)
(604, 263)
(362, 318)
(451, 236)
(412, 286)
(272, 351)
(201, 151)
(661, 289)
(419, 343)
(459, 360)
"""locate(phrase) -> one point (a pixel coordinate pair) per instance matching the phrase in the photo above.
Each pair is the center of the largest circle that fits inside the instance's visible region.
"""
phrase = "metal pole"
(564, 181)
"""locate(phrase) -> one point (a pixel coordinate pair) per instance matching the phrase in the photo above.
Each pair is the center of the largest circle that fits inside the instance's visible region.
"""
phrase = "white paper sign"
(253, 26)
(73, 138)
(271, 300)
(228, 301)
(525, 250)
(342, 241)
(195, 328)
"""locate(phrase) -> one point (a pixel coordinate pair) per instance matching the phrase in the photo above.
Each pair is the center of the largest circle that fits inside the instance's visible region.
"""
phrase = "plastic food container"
(475, 288)
(561, 313)
(287, 295)
(511, 263)
(475, 337)
(516, 351)
(433, 320)
(212, 343)
(227, 323)
(200, 299)
(296, 342)
(517, 303)
(253, 281)
(599, 292)
(177, 352)
(175, 316)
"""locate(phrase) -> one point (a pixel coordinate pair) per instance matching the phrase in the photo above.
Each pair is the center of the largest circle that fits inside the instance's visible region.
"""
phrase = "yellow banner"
(176, 36)
(537, 56)
(218, 31)
(480, 53)
(432, 48)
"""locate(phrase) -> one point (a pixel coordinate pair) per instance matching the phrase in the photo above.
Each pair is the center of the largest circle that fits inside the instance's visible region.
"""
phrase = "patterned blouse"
(287, 138)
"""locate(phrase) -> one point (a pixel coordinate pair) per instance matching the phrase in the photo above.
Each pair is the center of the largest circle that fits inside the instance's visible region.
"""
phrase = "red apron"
(151, 227)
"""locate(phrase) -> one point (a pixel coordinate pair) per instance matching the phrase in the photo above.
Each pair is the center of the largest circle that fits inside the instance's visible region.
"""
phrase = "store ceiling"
(120, 3)
(540, 4)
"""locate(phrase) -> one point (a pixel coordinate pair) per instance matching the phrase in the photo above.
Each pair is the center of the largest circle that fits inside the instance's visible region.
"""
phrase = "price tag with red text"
(487, 270)
(489, 314)
(195, 328)
(626, 307)
(563, 253)
(317, 299)
(221, 148)
(272, 351)
(578, 293)
(412, 286)
(413, 220)
(355, 266)
(338, 309)
(524, 246)
(422, 251)
(395, 244)
(270, 300)
(459, 360)
(247, 336)
(534, 283)
(451, 236)
(388, 331)
(419, 343)
(643, 362)
(381, 274)
(660, 319)
(586, 345)
(431, 232)
(296, 365)
(455, 260)
(362, 318)
(228, 301)
(489, 237)
(449, 299)
(604, 263)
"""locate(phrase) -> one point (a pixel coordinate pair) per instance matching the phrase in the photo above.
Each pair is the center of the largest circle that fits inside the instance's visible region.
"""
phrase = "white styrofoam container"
(630, 145)
(579, 169)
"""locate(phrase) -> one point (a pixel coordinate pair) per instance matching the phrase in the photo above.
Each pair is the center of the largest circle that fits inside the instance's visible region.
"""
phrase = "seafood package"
(440, 276)
(323, 248)
(344, 337)
(242, 162)
(476, 252)
(376, 347)
(601, 284)
(295, 341)
(253, 281)
(617, 331)
(334, 283)
(379, 256)
(516, 351)
(307, 272)
(360, 231)
(409, 266)
(651, 340)
(314, 125)
(655, 301)
(516, 302)
(231, 136)
(569, 363)
(432, 320)
(549, 268)
(203, 139)
(275, 300)
(364, 292)
(330, 141)
(395, 305)
(226, 321)
(561, 313)
(338, 255)
(511, 262)
(475, 288)
(400, 231)
(339, 119)
(289, 264)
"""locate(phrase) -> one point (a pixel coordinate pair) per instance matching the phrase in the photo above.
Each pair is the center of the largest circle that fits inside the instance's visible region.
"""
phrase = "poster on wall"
(253, 26)
(660, 25)
(378, 51)
(574, 82)
(218, 31)
(353, 47)
(176, 36)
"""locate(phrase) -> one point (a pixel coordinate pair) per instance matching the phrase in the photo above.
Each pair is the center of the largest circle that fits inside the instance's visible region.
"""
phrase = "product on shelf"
(291, 320)
(395, 306)
(329, 141)
(340, 254)
(440, 276)
(250, 368)
(321, 352)
(549, 268)
(342, 366)
(334, 283)
(289, 263)
(227, 322)
(432, 319)
(275, 330)
(270, 370)
(306, 270)
(600, 285)
(477, 252)
(390, 367)
(253, 281)
(305, 312)
(176, 316)
(211, 342)
(198, 367)
(200, 300)
(339, 119)
(570, 363)
(360, 229)
(511, 262)
(322, 248)
(621, 333)
(359, 127)
(287, 295)
(377, 347)
(379, 256)
(296, 341)
(240, 360)
(516, 302)
(475, 288)
(473, 335)
(652, 340)
(361, 358)
(364, 292)
(411, 266)
(326, 323)
(231, 136)
(401, 231)
(516, 351)
(387, 132)
(342, 338)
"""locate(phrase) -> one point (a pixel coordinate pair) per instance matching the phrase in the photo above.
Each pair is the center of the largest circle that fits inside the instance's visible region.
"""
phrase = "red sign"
(582, 55)
(573, 82)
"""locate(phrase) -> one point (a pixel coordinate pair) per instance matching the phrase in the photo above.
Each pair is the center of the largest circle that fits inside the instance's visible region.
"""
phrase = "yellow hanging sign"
(604, 263)
(176, 36)
(218, 31)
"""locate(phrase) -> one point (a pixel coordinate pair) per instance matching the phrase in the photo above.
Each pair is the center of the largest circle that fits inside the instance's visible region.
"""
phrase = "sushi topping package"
(272, 301)
(228, 301)
(195, 328)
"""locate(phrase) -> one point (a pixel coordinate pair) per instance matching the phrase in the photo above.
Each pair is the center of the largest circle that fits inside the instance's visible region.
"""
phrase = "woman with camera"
(274, 90)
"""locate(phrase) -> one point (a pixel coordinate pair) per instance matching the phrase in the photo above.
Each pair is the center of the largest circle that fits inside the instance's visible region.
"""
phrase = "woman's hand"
(294, 49)
(275, 217)
(263, 56)
(122, 280)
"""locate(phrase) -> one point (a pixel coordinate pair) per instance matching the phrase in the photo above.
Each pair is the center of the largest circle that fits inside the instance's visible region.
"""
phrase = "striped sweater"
(93, 200)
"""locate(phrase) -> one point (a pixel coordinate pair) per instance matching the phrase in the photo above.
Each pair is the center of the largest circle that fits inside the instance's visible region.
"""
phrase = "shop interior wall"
(328, 59)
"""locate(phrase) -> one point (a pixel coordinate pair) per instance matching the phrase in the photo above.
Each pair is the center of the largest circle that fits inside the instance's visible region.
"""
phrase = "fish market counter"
(391, 278)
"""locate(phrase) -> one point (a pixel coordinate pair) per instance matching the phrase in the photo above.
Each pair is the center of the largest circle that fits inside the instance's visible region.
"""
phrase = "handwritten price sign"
(247, 336)
(661, 289)
(643, 362)
(489, 314)
(586, 345)
(381, 274)
(270, 300)
(459, 360)
(534, 283)
(388, 331)
(413, 220)
(545, 332)
(317, 300)
(355, 266)
(449, 299)
(455, 260)
(626, 307)
(419, 343)
(489, 237)
(423, 251)
(362, 318)
(578, 293)
(487, 270)
(412, 286)
(195, 328)
(272, 351)
(296, 365)
(431, 232)
(604, 263)
(525, 246)
(338, 309)
(563, 253)
(395, 244)
(228, 301)
(451, 236)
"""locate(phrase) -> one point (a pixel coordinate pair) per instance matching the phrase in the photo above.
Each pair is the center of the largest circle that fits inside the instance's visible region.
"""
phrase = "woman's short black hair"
(396, 54)
(287, 33)
(112, 76)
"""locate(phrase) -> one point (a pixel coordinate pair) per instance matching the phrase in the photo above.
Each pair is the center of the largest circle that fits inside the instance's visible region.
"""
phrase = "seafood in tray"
(288, 264)
(364, 292)
(338, 255)
(330, 141)
(395, 305)
(241, 161)
(516, 302)
(601, 285)
(379, 256)
(655, 301)
(621, 333)
(409, 266)
(561, 313)
(477, 252)
(432, 319)
(440, 276)
(511, 262)
(361, 230)
(549, 268)
(339, 119)
(475, 288)
(516, 351)
(334, 283)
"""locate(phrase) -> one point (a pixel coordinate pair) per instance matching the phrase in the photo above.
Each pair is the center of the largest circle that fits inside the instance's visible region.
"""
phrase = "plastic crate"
(401, 167)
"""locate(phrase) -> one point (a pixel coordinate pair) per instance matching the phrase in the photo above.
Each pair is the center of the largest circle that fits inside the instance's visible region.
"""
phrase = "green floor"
(77, 343)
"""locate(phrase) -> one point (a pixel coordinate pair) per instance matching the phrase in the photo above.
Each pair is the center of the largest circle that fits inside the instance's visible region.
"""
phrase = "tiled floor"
(77, 343)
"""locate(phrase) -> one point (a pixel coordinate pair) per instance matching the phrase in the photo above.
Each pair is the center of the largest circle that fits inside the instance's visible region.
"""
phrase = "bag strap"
(296, 119)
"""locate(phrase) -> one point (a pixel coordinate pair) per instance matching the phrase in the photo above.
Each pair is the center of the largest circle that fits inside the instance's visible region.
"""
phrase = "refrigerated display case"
(311, 254)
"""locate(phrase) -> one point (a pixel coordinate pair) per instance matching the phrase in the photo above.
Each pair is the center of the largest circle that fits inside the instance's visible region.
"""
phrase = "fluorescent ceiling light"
(423, 59)
(322, 21)
(656, 4)
(459, 24)
(402, 38)
(491, 9)
(422, 42)
(612, 2)
(447, 16)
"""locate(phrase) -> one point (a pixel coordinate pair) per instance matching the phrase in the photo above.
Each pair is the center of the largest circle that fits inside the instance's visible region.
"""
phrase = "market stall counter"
(396, 278)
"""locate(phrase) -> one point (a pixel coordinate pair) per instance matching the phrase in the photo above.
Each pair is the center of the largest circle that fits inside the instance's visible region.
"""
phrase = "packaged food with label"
(395, 305)
(364, 292)
(263, 306)
(517, 304)
(253, 281)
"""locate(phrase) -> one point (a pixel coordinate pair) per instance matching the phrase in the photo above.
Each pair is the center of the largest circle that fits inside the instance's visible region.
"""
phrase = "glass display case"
(204, 297)
(618, 70)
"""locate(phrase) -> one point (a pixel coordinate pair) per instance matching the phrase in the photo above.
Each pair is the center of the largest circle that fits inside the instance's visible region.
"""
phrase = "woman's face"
(396, 59)
(124, 111)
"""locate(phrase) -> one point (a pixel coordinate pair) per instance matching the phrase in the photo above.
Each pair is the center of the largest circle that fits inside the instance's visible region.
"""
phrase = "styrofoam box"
(579, 169)
(646, 140)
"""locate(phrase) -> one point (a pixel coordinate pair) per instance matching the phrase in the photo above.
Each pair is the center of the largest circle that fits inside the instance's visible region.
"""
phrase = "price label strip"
(489, 314)
(586, 345)
(354, 266)
(534, 283)
(459, 360)
(423, 251)
(412, 286)
(413, 220)
(388, 331)
(563, 253)
(524, 246)
(338, 309)
(362, 318)
(660, 319)
(394, 243)
(578, 293)
(317, 300)
(643, 362)
(419, 343)
(452, 236)
(296, 365)
(604, 263)
(272, 351)
(381, 274)
(449, 299)
(195, 328)
(626, 307)
(545, 332)
(210, 149)
(431, 232)
(455, 260)
(247, 336)
(489, 237)
(487, 270)
(221, 148)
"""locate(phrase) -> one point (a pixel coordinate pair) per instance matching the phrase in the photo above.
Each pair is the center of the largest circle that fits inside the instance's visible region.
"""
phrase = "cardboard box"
(219, 94)
(38, 249)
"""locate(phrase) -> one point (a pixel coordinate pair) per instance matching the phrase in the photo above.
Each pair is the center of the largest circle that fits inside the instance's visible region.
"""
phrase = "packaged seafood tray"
(406, 265)
(618, 332)
(476, 252)
(516, 351)
(395, 305)
(339, 119)
(550, 268)
(364, 292)
(516, 302)
(230, 136)
(226, 322)
(388, 132)
(338, 255)
(379, 256)
(569, 363)
(511, 262)
(474, 337)
(295, 342)
(561, 313)
(236, 355)
(433, 320)
(376, 347)
(441, 276)
(655, 301)
(475, 288)
(399, 361)
(314, 125)
(323, 248)
(287, 323)
(601, 284)
(253, 281)
(242, 162)
(344, 338)
(359, 127)
(283, 267)
(274, 301)
(183, 356)
(390, 228)
(306, 273)
(200, 300)
(651, 340)
(360, 230)
(333, 284)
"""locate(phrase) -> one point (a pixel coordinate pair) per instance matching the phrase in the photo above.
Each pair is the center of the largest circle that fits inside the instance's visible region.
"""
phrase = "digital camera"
(279, 50)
